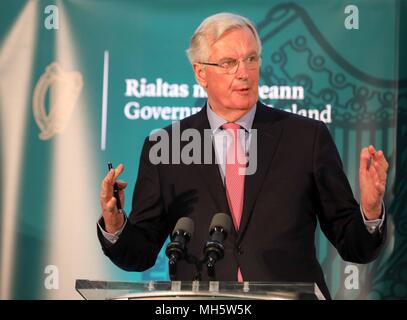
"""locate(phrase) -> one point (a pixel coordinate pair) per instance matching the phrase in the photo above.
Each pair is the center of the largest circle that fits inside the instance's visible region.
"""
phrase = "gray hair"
(211, 29)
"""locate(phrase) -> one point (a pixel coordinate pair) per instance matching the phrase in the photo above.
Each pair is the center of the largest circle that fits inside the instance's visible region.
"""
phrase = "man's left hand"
(372, 179)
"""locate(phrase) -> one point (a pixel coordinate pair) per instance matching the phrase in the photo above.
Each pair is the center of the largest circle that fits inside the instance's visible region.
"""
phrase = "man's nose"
(242, 71)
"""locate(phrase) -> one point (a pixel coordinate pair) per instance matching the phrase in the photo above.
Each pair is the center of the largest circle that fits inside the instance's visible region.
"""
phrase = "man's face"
(231, 93)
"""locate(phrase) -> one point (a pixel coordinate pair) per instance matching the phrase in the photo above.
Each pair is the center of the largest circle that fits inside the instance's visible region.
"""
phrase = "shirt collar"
(216, 121)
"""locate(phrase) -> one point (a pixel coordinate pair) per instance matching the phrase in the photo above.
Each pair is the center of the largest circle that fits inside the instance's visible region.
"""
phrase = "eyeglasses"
(230, 66)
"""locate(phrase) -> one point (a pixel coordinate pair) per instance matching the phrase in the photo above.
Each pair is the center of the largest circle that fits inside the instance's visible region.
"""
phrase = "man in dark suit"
(298, 178)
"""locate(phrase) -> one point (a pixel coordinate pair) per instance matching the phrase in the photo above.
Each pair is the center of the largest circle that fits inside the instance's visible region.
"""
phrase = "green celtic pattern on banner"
(363, 107)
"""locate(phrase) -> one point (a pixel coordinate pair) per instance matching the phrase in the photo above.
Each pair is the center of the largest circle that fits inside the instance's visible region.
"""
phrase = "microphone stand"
(211, 269)
(198, 266)
(191, 259)
(172, 268)
(210, 263)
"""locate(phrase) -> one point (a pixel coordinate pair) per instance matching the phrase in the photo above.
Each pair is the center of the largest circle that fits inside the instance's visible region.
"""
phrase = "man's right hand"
(114, 219)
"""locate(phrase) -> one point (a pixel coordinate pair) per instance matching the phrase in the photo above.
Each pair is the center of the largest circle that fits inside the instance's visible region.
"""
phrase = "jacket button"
(239, 250)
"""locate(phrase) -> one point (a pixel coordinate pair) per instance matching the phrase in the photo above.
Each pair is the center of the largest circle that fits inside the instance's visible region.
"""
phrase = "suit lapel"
(268, 136)
(212, 177)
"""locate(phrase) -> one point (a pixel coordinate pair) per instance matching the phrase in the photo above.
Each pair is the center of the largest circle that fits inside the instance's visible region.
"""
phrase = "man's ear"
(200, 74)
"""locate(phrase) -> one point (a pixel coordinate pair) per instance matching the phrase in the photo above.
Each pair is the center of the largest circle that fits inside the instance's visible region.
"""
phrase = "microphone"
(177, 249)
(214, 248)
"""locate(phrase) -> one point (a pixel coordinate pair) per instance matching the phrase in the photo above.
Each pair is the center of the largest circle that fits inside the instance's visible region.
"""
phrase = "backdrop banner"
(82, 83)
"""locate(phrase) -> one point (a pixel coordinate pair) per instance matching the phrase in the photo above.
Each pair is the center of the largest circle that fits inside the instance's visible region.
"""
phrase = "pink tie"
(235, 160)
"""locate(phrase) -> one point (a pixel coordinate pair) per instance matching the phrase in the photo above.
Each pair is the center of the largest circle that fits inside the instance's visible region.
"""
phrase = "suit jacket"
(299, 179)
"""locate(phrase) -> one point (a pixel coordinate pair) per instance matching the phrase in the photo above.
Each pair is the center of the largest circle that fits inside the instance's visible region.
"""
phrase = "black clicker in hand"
(115, 189)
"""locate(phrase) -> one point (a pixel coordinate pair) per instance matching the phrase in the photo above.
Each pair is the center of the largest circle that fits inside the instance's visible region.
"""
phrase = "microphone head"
(185, 224)
(221, 220)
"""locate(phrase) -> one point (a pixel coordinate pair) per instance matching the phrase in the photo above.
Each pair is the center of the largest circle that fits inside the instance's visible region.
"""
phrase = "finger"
(114, 173)
(379, 184)
(381, 160)
(121, 184)
(110, 206)
(110, 179)
(119, 169)
(372, 153)
(374, 174)
(381, 172)
(380, 164)
(106, 190)
(372, 150)
(380, 187)
(121, 197)
(378, 156)
(364, 160)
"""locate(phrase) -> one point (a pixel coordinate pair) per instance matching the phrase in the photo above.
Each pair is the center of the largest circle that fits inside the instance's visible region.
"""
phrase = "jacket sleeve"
(338, 212)
(147, 229)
